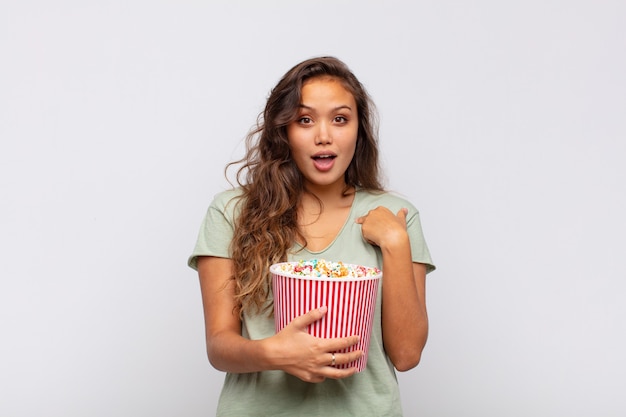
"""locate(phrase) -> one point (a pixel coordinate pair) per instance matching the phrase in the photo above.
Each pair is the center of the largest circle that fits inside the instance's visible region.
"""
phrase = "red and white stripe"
(351, 304)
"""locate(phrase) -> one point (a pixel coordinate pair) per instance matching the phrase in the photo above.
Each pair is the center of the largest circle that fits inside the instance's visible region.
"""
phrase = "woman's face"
(323, 137)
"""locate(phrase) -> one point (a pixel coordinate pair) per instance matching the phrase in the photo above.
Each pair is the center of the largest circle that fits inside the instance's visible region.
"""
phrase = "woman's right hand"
(292, 350)
(307, 357)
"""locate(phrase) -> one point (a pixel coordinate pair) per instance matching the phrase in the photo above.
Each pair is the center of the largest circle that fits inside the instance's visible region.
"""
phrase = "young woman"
(309, 188)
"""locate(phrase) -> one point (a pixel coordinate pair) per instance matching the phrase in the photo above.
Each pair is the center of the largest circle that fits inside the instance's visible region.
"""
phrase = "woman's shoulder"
(225, 197)
(226, 202)
(389, 199)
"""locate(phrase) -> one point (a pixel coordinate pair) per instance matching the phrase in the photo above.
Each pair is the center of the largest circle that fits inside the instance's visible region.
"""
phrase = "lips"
(324, 161)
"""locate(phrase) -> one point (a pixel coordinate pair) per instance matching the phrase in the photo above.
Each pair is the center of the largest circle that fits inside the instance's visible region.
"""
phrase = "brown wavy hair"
(266, 228)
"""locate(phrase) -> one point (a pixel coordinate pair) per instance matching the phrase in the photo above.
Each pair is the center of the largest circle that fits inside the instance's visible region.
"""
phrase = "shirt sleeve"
(216, 230)
(419, 248)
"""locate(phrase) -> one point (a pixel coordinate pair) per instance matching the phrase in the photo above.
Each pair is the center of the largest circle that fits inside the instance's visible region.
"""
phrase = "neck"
(331, 195)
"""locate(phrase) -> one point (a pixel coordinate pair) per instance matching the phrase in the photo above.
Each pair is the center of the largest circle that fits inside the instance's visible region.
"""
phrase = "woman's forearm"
(404, 316)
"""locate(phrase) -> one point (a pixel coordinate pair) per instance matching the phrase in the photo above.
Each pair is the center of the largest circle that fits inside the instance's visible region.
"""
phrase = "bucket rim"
(275, 270)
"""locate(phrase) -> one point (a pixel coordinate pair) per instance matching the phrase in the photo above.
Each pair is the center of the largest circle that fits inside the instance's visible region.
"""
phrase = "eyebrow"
(341, 107)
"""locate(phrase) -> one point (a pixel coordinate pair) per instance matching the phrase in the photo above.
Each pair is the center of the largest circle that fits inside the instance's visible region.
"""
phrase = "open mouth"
(324, 162)
(324, 157)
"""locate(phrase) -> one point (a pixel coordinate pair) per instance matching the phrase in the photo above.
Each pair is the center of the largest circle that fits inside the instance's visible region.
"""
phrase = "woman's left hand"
(381, 227)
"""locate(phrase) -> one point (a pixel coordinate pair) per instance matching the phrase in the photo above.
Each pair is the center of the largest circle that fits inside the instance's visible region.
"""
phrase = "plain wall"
(503, 122)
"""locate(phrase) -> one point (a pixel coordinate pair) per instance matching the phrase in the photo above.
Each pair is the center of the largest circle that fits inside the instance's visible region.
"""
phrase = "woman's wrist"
(265, 354)
(395, 239)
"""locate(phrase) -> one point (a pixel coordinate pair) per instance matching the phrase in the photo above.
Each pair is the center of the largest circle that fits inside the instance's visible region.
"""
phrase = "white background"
(503, 122)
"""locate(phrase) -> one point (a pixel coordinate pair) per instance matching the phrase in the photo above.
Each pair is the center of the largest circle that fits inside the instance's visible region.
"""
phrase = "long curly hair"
(266, 228)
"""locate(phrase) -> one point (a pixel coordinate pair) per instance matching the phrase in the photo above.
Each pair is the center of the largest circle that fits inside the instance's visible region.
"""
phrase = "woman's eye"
(340, 119)
(304, 120)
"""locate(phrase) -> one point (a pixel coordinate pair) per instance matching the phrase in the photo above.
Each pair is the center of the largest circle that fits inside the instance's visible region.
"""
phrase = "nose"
(323, 136)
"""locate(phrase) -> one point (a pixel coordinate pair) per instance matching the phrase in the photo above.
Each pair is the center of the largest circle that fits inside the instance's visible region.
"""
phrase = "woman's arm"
(292, 350)
(404, 316)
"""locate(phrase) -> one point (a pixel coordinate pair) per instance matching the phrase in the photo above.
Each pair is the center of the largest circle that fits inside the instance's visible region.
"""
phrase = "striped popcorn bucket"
(351, 303)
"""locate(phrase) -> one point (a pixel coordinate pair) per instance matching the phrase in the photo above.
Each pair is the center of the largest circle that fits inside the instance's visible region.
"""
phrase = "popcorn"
(326, 269)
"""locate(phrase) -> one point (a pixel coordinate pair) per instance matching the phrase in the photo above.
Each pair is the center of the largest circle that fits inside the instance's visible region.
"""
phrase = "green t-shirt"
(373, 392)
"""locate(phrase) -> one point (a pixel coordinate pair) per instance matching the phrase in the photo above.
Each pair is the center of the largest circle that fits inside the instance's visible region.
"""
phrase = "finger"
(340, 343)
(310, 317)
(344, 358)
(402, 214)
(335, 373)
(360, 220)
